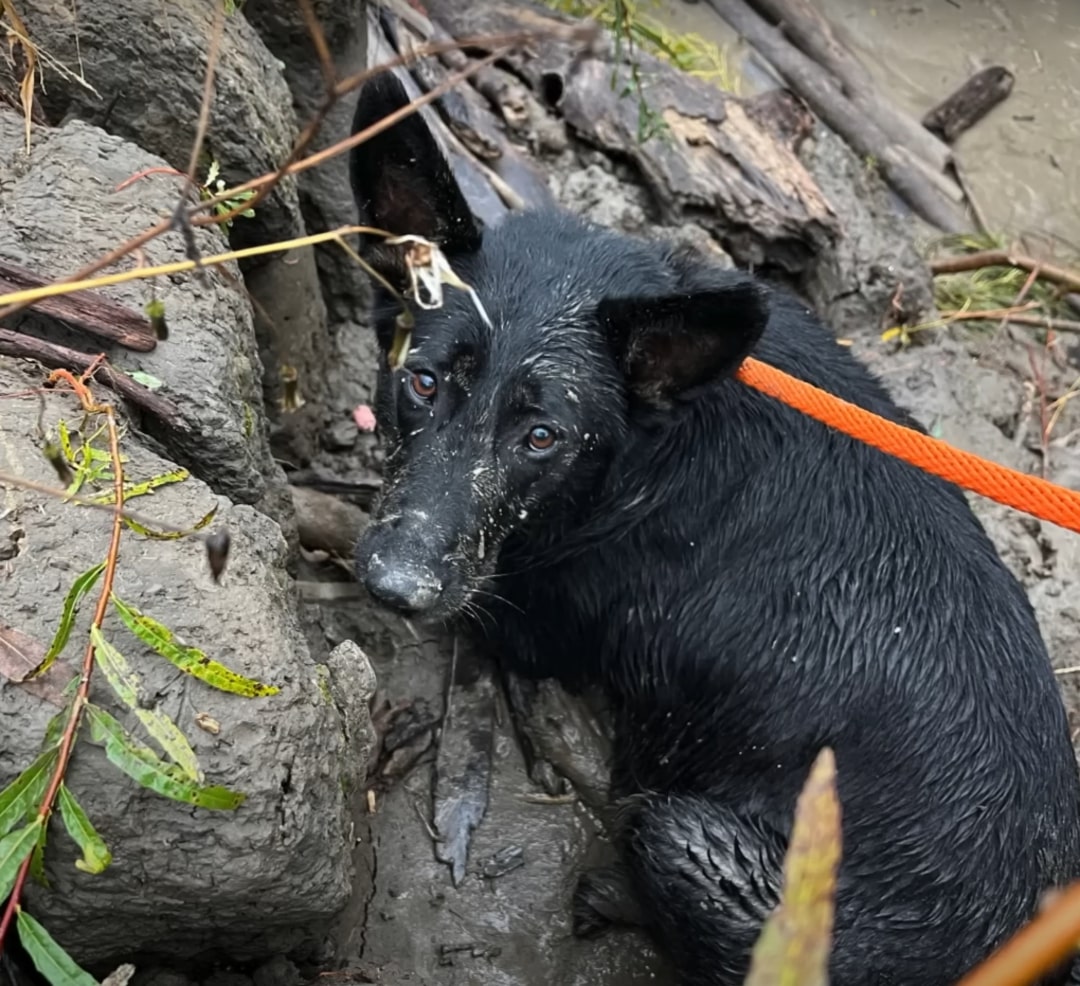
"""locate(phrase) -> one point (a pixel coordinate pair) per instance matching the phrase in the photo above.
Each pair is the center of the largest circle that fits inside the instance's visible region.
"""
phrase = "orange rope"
(1029, 494)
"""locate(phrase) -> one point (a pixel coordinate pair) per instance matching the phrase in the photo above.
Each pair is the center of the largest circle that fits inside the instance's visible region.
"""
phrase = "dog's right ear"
(402, 183)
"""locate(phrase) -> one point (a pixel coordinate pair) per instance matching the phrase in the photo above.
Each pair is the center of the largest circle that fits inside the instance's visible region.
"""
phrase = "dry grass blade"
(18, 35)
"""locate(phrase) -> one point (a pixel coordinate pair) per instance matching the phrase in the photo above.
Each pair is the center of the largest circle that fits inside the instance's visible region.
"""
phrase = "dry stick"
(29, 347)
(808, 30)
(1037, 948)
(90, 312)
(822, 93)
(318, 39)
(155, 525)
(207, 98)
(1038, 321)
(82, 695)
(1004, 258)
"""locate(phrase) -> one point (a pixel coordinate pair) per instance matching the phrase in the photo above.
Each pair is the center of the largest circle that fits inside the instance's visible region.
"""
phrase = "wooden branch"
(1004, 258)
(970, 103)
(88, 311)
(808, 30)
(1038, 321)
(914, 184)
(29, 347)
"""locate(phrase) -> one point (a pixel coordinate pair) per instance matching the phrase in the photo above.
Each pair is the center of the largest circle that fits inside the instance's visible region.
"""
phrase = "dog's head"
(494, 425)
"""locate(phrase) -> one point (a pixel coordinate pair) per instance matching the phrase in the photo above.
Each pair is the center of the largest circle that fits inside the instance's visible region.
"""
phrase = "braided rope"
(1029, 494)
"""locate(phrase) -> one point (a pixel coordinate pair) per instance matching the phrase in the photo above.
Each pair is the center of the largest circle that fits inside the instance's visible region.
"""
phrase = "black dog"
(746, 585)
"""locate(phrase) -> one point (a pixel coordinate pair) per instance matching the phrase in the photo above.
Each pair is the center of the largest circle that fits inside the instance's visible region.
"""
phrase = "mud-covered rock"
(325, 194)
(873, 274)
(62, 211)
(138, 70)
(264, 879)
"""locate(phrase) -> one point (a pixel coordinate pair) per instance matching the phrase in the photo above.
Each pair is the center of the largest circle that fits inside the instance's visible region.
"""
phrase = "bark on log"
(808, 30)
(970, 103)
(85, 310)
(715, 161)
(914, 184)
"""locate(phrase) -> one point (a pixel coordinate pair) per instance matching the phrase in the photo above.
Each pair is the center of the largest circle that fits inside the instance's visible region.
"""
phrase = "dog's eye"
(423, 386)
(541, 438)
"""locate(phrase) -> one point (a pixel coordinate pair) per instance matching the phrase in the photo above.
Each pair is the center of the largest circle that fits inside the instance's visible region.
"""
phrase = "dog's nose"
(407, 588)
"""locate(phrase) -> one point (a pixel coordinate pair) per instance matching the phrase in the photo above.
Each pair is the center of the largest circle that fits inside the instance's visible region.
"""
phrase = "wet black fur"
(746, 585)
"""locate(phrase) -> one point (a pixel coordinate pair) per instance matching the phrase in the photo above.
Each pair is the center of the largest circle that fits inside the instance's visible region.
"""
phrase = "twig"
(180, 220)
(318, 39)
(1003, 258)
(60, 288)
(1037, 948)
(159, 525)
(92, 313)
(49, 353)
(1017, 318)
(266, 182)
(82, 695)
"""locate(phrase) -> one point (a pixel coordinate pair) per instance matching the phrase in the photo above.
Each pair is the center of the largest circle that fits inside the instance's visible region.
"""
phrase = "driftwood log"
(970, 103)
(811, 33)
(932, 195)
(720, 159)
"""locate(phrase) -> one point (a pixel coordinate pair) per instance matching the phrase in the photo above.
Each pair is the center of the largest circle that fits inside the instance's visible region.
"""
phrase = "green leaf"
(142, 765)
(149, 381)
(24, 794)
(79, 588)
(125, 683)
(48, 957)
(37, 858)
(96, 855)
(14, 848)
(170, 535)
(189, 659)
(132, 490)
(793, 948)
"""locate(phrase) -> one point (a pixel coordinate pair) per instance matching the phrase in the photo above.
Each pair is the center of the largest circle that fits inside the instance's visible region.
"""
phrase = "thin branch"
(1005, 258)
(1016, 318)
(318, 39)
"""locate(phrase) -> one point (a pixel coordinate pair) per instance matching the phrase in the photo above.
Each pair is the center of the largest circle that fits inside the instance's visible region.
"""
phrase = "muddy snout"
(401, 567)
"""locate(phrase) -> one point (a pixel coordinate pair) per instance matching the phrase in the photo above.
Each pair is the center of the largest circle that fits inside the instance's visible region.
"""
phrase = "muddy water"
(1023, 160)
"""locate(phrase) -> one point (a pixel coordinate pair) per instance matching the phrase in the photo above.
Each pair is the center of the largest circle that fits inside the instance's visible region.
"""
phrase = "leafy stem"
(79, 703)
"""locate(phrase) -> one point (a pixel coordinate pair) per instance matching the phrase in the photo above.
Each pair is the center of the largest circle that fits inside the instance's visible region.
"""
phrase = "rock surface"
(63, 212)
(268, 877)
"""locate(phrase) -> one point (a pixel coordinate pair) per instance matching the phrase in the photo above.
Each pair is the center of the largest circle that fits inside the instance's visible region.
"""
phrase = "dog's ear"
(401, 181)
(668, 345)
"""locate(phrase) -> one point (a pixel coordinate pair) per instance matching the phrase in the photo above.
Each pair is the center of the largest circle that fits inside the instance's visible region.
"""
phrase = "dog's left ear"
(668, 345)
(401, 181)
